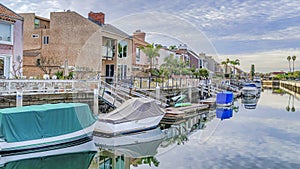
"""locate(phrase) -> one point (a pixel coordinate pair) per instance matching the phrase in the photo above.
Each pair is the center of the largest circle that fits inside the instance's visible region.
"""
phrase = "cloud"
(269, 61)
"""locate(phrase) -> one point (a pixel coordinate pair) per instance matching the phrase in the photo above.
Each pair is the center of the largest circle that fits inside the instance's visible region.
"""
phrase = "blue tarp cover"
(42, 121)
(224, 97)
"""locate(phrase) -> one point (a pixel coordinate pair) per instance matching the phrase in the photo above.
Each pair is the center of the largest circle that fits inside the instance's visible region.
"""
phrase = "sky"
(259, 32)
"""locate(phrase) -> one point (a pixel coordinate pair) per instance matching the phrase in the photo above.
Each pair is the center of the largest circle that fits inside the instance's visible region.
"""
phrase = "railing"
(8, 87)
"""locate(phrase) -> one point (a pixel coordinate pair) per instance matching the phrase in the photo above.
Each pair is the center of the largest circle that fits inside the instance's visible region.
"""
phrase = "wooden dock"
(177, 115)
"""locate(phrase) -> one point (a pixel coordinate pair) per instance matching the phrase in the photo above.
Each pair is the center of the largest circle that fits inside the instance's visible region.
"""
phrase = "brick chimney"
(97, 17)
(139, 34)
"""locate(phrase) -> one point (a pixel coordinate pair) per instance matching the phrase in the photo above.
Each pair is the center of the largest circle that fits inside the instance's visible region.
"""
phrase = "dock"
(177, 115)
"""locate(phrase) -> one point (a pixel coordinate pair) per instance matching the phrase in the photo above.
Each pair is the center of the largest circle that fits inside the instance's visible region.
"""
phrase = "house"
(87, 46)
(11, 43)
(210, 64)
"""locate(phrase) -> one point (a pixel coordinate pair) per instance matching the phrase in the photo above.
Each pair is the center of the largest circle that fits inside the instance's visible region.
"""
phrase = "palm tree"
(289, 59)
(294, 58)
(151, 52)
(234, 63)
(226, 65)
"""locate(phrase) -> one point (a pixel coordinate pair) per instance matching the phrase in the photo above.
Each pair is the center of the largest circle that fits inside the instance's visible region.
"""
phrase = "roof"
(8, 15)
(112, 29)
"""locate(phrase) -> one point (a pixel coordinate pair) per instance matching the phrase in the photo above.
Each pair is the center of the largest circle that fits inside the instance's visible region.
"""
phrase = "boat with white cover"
(38, 126)
(134, 115)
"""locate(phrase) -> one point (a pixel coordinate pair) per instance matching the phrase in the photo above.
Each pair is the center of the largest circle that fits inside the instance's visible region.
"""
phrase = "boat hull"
(127, 127)
(50, 141)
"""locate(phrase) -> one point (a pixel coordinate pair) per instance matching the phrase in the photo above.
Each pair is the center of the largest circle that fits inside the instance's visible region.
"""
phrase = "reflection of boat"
(62, 157)
(134, 145)
(249, 89)
(257, 82)
(224, 99)
(134, 115)
(224, 112)
(249, 102)
(44, 125)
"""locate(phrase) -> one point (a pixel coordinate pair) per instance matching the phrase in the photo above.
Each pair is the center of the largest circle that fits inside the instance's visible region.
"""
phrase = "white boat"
(134, 145)
(81, 153)
(249, 90)
(133, 115)
(39, 126)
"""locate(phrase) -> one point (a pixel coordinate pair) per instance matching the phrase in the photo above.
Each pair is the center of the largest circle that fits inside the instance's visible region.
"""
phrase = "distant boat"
(224, 98)
(134, 115)
(257, 82)
(249, 90)
(38, 126)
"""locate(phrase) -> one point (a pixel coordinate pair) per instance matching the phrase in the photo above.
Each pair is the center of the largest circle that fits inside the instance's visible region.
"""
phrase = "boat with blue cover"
(38, 126)
(224, 98)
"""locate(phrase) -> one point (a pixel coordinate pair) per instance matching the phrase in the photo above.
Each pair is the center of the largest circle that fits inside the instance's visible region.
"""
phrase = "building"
(11, 43)
(68, 41)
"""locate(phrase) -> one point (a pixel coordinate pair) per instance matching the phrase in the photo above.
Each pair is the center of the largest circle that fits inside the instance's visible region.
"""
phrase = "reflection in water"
(64, 157)
(291, 107)
(250, 102)
(224, 112)
(124, 150)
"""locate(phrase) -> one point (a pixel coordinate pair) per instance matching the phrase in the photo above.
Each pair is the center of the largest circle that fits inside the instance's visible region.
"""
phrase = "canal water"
(263, 132)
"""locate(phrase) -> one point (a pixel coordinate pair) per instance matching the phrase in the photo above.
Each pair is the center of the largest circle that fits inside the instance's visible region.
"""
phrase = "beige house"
(69, 41)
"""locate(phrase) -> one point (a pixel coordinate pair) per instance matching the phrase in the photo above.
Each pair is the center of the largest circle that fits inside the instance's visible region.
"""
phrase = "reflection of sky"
(265, 137)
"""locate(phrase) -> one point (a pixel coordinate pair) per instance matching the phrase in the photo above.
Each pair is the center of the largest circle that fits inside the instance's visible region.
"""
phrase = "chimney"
(139, 34)
(97, 17)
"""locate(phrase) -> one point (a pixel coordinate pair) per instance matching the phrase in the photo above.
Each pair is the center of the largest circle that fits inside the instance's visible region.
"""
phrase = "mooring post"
(96, 102)
(190, 93)
(19, 98)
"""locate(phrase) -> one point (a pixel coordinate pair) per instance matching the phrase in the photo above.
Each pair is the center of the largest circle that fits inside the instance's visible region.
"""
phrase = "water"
(262, 133)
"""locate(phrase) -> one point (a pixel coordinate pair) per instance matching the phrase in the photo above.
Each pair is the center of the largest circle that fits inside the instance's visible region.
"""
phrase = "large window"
(138, 54)
(6, 32)
(122, 49)
(108, 50)
(122, 71)
(36, 23)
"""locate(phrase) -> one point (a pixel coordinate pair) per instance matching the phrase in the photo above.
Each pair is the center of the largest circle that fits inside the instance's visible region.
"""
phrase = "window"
(46, 40)
(36, 23)
(122, 71)
(108, 50)
(35, 35)
(1, 67)
(138, 54)
(122, 49)
(6, 32)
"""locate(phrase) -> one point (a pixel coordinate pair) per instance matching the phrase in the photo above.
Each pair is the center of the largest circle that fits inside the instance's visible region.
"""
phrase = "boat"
(39, 126)
(224, 98)
(135, 145)
(249, 90)
(62, 157)
(257, 82)
(134, 115)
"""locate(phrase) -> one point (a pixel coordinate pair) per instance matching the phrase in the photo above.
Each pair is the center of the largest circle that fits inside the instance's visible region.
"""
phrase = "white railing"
(46, 86)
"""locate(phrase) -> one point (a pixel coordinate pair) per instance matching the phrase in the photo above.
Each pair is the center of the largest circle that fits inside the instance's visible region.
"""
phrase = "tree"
(294, 58)
(151, 52)
(234, 63)
(203, 73)
(17, 68)
(252, 72)
(289, 59)
(226, 63)
(46, 64)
